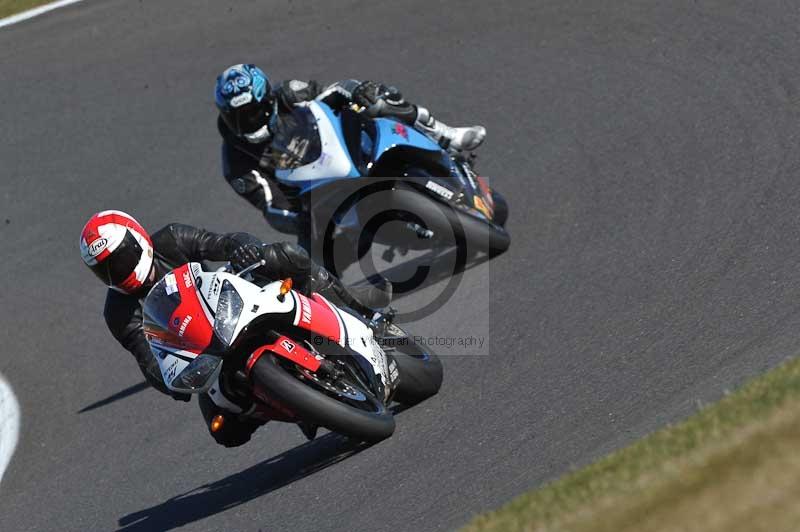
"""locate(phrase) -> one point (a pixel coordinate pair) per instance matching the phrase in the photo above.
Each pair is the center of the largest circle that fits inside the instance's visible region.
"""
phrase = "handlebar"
(228, 267)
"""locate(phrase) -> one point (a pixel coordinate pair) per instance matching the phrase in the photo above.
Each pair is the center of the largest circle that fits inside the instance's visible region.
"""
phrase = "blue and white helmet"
(244, 99)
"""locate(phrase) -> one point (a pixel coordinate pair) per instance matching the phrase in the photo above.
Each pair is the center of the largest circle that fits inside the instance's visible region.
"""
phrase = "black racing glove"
(371, 96)
(245, 255)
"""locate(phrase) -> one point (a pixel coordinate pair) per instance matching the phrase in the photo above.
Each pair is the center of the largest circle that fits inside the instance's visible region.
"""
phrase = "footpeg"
(421, 232)
(389, 254)
(384, 329)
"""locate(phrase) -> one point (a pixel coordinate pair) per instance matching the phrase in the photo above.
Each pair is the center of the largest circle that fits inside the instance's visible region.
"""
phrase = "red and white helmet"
(118, 250)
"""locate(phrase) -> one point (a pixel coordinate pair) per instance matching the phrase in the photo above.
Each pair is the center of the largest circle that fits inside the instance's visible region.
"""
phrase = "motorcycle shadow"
(122, 394)
(251, 483)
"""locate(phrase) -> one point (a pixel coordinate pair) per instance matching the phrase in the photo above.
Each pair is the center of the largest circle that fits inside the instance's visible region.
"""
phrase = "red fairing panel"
(317, 315)
(289, 349)
(189, 323)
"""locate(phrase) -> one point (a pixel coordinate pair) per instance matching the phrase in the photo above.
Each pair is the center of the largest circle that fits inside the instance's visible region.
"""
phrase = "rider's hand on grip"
(245, 255)
(369, 93)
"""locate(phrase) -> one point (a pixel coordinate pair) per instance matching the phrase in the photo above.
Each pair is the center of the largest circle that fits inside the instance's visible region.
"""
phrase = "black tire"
(477, 235)
(500, 208)
(421, 373)
(314, 406)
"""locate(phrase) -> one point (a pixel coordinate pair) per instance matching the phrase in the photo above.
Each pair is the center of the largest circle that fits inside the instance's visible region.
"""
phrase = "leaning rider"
(130, 261)
(250, 111)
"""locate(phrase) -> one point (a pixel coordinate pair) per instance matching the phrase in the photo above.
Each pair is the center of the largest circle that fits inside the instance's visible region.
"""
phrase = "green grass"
(732, 466)
(11, 7)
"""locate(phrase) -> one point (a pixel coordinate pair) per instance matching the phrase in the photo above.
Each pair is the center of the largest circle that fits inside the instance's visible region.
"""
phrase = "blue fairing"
(389, 134)
(392, 134)
(337, 126)
(307, 186)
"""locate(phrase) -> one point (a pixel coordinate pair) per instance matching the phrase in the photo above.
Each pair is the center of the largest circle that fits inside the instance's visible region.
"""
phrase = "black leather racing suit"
(249, 169)
(177, 244)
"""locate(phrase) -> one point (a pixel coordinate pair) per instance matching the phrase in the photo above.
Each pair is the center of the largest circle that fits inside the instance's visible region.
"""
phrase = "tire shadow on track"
(253, 482)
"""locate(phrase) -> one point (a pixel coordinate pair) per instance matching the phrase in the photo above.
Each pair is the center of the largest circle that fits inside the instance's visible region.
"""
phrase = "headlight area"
(198, 376)
(229, 307)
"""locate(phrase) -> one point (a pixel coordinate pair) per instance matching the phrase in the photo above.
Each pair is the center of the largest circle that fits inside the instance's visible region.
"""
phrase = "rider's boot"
(364, 299)
(454, 138)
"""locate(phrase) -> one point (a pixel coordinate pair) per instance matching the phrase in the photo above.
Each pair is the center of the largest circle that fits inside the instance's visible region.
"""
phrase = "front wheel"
(420, 370)
(341, 407)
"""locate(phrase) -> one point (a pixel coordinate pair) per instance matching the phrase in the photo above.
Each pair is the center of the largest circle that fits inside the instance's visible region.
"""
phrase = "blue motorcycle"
(362, 180)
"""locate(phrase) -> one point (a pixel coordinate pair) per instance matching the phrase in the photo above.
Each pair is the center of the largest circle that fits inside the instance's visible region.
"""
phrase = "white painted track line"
(35, 12)
(9, 424)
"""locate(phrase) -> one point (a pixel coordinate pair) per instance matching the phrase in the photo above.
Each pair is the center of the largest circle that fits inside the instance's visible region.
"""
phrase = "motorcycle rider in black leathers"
(129, 261)
(251, 110)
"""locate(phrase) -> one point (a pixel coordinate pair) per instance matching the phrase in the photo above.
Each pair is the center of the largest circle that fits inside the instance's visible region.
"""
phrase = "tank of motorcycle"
(191, 317)
(391, 134)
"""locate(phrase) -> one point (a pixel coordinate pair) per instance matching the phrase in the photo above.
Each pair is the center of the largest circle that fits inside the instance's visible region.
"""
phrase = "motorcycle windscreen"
(296, 141)
(159, 305)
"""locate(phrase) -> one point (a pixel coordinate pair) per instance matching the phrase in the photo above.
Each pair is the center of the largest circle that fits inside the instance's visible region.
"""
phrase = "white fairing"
(360, 339)
(220, 400)
(171, 366)
(258, 302)
(363, 342)
(333, 162)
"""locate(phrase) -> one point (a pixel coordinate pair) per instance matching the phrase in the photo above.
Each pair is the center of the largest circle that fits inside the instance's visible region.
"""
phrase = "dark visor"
(248, 118)
(120, 263)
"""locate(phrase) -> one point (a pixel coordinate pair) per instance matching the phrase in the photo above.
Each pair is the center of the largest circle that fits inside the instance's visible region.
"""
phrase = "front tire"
(373, 423)
(421, 373)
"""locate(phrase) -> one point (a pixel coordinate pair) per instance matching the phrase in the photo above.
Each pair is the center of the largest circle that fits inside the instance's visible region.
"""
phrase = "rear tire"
(475, 234)
(314, 406)
(500, 209)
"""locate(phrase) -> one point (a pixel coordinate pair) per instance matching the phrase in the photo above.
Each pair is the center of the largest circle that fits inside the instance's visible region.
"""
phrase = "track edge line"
(35, 12)
(9, 424)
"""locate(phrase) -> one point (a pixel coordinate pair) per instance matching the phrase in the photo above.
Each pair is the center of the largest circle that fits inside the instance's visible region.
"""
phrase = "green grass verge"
(732, 466)
(11, 7)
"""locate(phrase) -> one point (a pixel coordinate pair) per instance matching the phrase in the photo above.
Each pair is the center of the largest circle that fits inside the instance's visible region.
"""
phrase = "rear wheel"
(474, 234)
(342, 406)
(500, 208)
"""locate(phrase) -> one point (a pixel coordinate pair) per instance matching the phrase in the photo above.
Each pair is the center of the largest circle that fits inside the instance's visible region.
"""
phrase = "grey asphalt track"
(649, 152)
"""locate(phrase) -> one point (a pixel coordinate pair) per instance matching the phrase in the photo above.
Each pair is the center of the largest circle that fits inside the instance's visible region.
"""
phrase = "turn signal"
(286, 285)
(217, 423)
